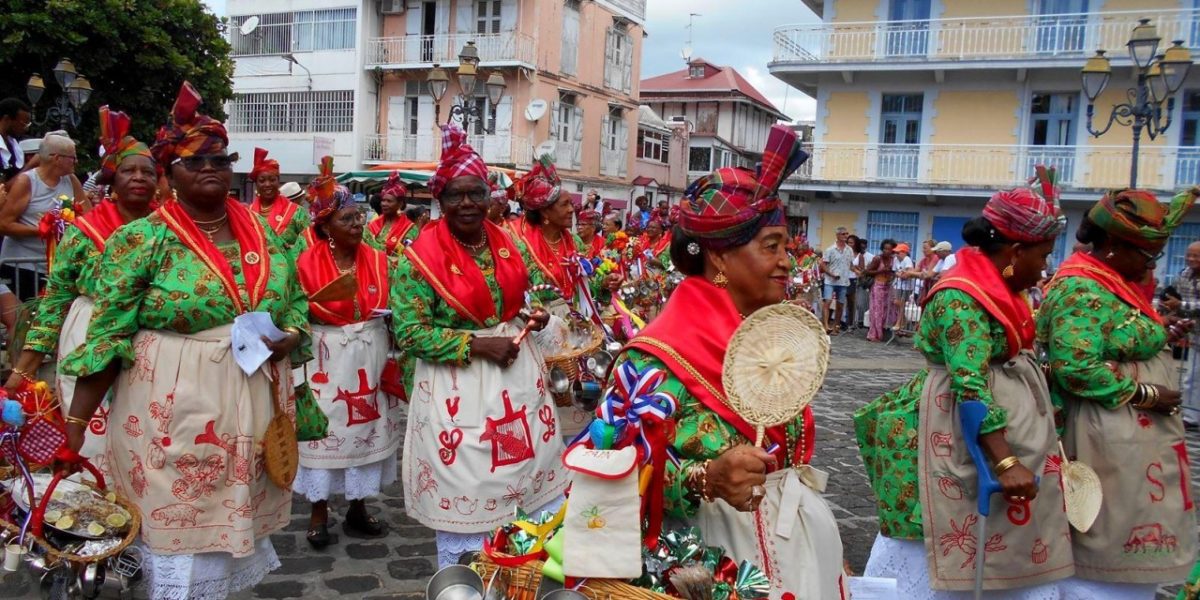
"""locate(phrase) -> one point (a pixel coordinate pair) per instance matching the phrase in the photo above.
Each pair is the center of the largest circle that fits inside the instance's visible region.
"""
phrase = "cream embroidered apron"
(186, 444)
(1146, 531)
(364, 422)
(1026, 544)
(481, 441)
(73, 335)
(799, 549)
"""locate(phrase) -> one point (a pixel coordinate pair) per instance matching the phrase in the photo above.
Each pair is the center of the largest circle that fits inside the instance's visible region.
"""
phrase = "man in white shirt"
(946, 253)
(15, 118)
(904, 286)
(835, 264)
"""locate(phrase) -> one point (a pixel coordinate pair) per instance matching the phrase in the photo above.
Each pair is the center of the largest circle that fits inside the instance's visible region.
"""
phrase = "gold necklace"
(474, 248)
(208, 228)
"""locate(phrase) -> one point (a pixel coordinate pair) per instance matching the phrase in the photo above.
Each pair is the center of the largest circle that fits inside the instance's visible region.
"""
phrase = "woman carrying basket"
(977, 335)
(483, 436)
(731, 244)
(1111, 369)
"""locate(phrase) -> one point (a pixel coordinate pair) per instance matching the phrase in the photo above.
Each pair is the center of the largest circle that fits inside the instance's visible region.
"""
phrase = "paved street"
(397, 566)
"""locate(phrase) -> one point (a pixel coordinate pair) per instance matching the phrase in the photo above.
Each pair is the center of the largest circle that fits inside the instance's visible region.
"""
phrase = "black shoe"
(318, 537)
(363, 524)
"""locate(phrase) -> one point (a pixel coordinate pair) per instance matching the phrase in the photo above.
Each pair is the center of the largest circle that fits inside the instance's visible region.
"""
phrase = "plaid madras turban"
(1137, 217)
(394, 187)
(118, 144)
(326, 197)
(262, 164)
(189, 133)
(459, 159)
(541, 186)
(1029, 215)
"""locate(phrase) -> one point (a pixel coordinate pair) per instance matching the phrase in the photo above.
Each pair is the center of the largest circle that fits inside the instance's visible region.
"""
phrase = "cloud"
(729, 35)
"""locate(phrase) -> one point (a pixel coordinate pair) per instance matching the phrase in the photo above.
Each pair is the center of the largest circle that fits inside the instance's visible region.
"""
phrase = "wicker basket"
(54, 554)
(569, 361)
(527, 578)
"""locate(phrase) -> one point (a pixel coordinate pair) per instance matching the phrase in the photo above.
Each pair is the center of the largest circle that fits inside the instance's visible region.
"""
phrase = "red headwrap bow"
(189, 133)
(1028, 215)
(262, 164)
(118, 144)
(394, 187)
(540, 187)
(459, 159)
(325, 195)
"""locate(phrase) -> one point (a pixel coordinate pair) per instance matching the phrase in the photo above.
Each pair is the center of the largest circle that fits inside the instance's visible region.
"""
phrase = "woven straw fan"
(1082, 491)
(775, 363)
(342, 288)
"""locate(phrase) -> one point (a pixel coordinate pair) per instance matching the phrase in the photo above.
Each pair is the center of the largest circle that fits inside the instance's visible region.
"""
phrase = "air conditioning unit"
(391, 7)
(679, 119)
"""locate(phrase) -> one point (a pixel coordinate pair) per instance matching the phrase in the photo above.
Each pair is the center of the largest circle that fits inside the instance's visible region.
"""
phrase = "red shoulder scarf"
(695, 356)
(975, 275)
(251, 237)
(395, 232)
(452, 272)
(596, 248)
(279, 215)
(1082, 264)
(100, 223)
(664, 241)
(317, 270)
(551, 263)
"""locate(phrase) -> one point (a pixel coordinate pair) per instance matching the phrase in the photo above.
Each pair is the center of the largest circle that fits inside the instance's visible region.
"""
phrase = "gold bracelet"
(24, 374)
(704, 492)
(1006, 464)
(76, 421)
(293, 330)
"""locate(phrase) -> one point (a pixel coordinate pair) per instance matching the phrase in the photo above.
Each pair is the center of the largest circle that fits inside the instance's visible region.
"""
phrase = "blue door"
(899, 226)
(949, 229)
(1061, 26)
(908, 28)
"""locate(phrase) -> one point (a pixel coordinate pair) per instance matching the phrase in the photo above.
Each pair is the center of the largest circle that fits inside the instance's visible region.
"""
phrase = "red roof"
(643, 180)
(716, 79)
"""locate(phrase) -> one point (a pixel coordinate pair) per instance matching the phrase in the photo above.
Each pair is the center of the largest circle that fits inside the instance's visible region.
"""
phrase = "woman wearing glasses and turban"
(286, 218)
(189, 448)
(392, 229)
(1111, 369)
(483, 436)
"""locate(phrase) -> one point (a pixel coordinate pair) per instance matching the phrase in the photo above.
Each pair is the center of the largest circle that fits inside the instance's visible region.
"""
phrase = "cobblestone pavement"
(398, 565)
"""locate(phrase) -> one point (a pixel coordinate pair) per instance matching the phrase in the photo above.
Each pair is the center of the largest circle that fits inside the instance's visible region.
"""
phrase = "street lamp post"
(463, 110)
(1159, 77)
(66, 108)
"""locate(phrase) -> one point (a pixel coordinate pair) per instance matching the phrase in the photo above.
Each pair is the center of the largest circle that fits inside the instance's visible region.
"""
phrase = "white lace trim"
(451, 546)
(206, 576)
(1074, 588)
(356, 483)
(904, 561)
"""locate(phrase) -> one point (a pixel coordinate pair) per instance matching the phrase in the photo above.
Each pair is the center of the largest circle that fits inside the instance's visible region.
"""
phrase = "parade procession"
(510, 320)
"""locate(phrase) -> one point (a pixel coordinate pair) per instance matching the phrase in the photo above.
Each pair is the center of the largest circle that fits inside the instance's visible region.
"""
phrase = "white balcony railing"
(982, 38)
(495, 149)
(419, 50)
(995, 166)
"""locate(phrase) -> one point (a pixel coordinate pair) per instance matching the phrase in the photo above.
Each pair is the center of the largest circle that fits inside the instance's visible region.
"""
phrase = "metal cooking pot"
(559, 382)
(455, 582)
(598, 363)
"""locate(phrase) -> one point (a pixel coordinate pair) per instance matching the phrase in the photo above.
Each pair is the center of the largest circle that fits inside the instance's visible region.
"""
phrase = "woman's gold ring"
(758, 492)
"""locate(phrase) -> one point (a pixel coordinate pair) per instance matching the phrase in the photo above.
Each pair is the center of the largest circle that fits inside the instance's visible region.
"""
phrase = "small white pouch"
(603, 524)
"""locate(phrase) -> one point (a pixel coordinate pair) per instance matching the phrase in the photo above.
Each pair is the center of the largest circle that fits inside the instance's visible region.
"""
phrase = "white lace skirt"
(206, 576)
(451, 546)
(1074, 588)
(355, 483)
(904, 561)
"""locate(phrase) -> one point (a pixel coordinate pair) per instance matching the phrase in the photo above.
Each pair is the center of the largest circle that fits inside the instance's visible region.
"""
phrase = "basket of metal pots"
(576, 359)
(66, 532)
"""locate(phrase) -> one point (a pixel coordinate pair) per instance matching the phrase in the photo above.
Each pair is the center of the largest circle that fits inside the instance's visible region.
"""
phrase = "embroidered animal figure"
(181, 513)
(162, 413)
(245, 511)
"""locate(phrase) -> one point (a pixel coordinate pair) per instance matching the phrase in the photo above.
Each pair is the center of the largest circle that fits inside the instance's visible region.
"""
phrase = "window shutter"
(605, 154)
(508, 15)
(554, 108)
(627, 66)
(577, 159)
(609, 57)
(622, 147)
(464, 17)
(424, 129)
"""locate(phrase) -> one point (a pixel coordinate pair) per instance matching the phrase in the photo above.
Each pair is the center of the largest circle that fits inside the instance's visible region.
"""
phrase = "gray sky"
(727, 34)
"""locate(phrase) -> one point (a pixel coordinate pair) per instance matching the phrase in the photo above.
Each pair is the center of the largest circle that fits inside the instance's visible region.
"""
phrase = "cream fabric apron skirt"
(73, 335)
(1146, 531)
(186, 444)
(1026, 544)
(793, 536)
(481, 441)
(364, 422)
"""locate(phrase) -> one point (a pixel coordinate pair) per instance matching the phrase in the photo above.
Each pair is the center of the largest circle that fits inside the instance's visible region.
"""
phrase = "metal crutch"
(971, 414)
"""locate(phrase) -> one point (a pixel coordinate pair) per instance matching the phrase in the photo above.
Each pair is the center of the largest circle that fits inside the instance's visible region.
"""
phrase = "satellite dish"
(546, 147)
(250, 24)
(536, 109)
(686, 53)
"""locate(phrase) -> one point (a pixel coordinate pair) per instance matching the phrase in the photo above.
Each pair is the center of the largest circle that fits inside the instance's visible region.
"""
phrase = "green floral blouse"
(380, 243)
(1080, 325)
(595, 286)
(292, 236)
(700, 435)
(74, 274)
(147, 279)
(954, 331)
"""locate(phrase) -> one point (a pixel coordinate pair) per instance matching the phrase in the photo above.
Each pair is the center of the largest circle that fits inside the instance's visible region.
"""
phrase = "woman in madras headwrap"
(1110, 368)
(189, 448)
(61, 321)
(391, 230)
(588, 226)
(977, 336)
(286, 218)
(482, 434)
(653, 250)
(731, 243)
(346, 281)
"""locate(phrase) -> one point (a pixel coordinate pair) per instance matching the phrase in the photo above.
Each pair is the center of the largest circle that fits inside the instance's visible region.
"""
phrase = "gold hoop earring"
(1007, 272)
(720, 280)
(331, 244)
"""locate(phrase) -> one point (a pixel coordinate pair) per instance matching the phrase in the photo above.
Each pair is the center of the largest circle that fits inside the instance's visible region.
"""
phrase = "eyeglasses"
(456, 198)
(352, 218)
(68, 157)
(220, 162)
(1150, 257)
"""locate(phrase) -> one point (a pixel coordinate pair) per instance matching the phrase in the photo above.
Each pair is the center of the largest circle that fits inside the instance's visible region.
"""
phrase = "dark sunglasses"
(1149, 256)
(220, 162)
(456, 198)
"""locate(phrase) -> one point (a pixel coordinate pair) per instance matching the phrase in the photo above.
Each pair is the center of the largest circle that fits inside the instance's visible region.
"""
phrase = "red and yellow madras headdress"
(262, 164)
(727, 207)
(189, 133)
(541, 186)
(394, 187)
(459, 159)
(326, 196)
(1025, 214)
(1137, 217)
(117, 143)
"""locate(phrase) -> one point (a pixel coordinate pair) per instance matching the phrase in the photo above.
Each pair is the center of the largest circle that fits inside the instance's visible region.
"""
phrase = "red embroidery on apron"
(1150, 539)
(964, 539)
(137, 475)
(1040, 553)
(1018, 513)
(465, 506)
(246, 510)
(941, 443)
(950, 487)
(452, 406)
(450, 441)
(1184, 471)
(162, 413)
(1162, 490)
(362, 406)
(426, 484)
(98, 424)
(181, 513)
(199, 477)
(239, 449)
(133, 427)
(546, 416)
(511, 441)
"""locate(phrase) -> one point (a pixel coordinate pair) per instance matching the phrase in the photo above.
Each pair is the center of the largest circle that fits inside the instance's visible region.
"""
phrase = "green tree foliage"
(135, 53)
